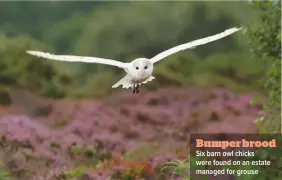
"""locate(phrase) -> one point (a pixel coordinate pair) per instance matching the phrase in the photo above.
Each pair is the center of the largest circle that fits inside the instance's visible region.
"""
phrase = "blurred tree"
(266, 40)
(64, 33)
(126, 31)
(235, 66)
(122, 31)
(18, 69)
(36, 18)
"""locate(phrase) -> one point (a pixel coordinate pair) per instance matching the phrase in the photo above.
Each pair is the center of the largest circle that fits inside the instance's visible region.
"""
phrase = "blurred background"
(60, 114)
(124, 31)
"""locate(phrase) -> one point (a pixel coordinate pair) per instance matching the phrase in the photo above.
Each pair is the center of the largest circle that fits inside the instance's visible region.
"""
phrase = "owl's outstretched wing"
(78, 59)
(193, 44)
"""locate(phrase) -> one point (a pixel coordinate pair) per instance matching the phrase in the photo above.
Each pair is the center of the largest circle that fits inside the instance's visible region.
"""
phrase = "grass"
(179, 168)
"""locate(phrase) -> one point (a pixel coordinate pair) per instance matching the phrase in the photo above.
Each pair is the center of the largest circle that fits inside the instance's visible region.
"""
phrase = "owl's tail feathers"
(125, 82)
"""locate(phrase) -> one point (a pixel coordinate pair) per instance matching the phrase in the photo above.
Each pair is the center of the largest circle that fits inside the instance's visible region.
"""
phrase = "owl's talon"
(134, 89)
(137, 88)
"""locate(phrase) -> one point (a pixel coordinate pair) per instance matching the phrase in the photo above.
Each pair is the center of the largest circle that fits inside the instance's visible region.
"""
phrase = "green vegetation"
(266, 40)
(4, 175)
(179, 168)
(18, 70)
(95, 29)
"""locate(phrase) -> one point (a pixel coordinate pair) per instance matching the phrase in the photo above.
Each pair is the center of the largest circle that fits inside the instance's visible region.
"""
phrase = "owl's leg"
(137, 88)
(134, 89)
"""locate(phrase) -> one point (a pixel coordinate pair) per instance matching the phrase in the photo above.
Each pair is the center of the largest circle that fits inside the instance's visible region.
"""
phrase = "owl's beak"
(142, 73)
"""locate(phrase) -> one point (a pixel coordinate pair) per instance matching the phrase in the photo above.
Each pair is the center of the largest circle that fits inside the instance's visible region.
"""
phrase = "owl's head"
(141, 68)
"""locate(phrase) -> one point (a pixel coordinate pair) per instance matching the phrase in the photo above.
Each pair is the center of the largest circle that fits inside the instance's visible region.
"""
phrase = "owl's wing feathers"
(78, 59)
(193, 44)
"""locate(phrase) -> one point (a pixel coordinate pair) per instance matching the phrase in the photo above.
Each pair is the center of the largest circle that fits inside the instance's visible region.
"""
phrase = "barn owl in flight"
(139, 70)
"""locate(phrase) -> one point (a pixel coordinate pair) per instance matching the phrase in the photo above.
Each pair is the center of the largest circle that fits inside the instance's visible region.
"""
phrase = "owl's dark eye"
(145, 67)
(137, 67)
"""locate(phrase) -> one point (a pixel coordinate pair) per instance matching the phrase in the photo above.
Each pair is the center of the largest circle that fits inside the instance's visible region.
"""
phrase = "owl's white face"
(141, 69)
